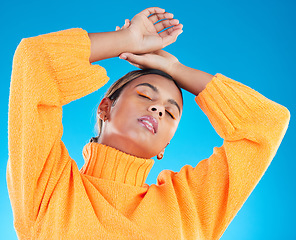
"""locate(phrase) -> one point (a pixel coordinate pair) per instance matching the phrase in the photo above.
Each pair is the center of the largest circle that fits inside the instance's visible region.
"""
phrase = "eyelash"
(172, 116)
(145, 96)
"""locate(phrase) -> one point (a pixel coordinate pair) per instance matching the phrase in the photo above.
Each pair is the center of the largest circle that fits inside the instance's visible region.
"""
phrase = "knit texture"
(108, 198)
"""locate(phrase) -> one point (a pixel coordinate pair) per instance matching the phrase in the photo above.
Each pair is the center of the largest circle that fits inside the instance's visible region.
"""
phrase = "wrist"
(126, 41)
(109, 44)
(190, 79)
(173, 68)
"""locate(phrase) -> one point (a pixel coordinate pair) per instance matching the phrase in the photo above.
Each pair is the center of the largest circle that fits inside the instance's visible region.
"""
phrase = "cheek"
(125, 110)
(124, 116)
(168, 132)
(173, 131)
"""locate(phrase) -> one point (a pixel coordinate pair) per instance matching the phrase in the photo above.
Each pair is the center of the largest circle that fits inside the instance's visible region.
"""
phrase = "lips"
(150, 123)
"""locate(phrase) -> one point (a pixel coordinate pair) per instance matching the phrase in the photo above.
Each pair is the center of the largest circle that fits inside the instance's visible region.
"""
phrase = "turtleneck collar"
(105, 162)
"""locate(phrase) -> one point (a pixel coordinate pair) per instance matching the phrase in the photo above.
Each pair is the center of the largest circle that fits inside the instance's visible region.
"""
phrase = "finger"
(129, 58)
(171, 36)
(126, 24)
(158, 16)
(133, 58)
(152, 10)
(170, 31)
(136, 65)
(165, 24)
(117, 28)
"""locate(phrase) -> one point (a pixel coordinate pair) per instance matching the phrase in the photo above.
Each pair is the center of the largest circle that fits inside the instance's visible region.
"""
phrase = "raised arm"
(50, 71)
(252, 126)
(140, 35)
(190, 79)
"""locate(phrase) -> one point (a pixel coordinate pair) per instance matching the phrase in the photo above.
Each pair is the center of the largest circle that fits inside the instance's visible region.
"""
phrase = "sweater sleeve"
(252, 126)
(49, 71)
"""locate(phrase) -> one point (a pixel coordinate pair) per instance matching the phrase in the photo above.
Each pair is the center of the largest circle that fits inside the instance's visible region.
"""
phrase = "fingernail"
(123, 56)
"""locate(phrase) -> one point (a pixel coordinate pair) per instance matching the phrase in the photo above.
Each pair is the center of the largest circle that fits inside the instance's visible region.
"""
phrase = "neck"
(122, 144)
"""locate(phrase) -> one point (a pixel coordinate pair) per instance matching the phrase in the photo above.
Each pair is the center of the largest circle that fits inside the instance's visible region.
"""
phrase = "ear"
(104, 108)
(160, 155)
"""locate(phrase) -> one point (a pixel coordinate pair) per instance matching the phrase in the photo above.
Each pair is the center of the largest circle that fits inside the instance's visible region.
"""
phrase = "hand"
(192, 80)
(159, 59)
(145, 33)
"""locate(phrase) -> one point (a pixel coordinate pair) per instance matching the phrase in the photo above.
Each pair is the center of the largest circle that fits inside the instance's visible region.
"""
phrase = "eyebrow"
(172, 101)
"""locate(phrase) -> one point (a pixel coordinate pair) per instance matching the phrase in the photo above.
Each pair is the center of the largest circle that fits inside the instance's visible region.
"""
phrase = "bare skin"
(140, 37)
(190, 79)
(123, 129)
(140, 42)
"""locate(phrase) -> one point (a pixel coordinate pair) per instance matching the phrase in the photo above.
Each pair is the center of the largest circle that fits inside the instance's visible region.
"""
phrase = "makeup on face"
(149, 122)
(172, 102)
(139, 123)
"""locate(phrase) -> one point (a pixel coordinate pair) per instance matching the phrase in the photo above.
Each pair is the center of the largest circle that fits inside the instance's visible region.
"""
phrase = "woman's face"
(144, 118)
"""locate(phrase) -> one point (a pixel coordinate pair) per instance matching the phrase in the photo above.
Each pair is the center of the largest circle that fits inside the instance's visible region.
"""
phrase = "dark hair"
(116, 88)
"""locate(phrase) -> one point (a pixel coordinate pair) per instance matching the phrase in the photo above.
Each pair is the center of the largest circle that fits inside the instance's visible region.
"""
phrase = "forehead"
(165, 87)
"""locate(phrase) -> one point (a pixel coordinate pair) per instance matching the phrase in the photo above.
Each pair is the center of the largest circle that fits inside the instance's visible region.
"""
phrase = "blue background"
(252, 42)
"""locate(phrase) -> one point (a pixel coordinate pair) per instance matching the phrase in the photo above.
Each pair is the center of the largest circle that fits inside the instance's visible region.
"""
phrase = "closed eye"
(172, 116)
(143, 95)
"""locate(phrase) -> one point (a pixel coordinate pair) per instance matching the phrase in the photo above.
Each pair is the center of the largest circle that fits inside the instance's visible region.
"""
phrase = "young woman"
(108, 198)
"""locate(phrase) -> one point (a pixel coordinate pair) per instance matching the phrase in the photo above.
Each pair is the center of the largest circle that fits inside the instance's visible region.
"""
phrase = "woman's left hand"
(190, 79)
(159, 59)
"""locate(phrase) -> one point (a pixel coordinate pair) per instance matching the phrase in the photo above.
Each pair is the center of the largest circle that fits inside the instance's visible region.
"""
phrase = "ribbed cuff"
(69, 52)
(228, 104)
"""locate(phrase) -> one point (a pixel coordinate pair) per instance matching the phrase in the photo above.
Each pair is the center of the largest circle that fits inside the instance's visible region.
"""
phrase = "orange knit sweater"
(108, 198)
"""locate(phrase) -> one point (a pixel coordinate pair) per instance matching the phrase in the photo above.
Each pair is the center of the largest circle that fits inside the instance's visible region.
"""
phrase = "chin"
(136, 142)
(141, 148)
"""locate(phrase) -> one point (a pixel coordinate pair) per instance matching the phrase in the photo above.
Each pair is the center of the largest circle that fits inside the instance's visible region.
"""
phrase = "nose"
(157, 109)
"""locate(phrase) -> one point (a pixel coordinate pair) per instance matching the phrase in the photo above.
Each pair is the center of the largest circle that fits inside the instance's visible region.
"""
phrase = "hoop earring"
(159, 157)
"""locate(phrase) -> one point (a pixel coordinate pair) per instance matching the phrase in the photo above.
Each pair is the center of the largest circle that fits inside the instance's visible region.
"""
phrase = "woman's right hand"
(145, 33)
